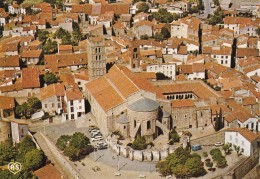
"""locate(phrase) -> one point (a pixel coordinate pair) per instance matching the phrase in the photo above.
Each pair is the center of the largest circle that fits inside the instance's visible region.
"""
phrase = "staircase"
(135, 131)
(163, 127)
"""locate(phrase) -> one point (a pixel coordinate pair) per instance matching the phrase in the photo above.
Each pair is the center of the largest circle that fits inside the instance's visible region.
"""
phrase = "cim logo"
(14, 167)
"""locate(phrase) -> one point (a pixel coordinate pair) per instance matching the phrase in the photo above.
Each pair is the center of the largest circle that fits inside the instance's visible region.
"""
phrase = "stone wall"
(61, 159)
(139, 155)
(249, 163)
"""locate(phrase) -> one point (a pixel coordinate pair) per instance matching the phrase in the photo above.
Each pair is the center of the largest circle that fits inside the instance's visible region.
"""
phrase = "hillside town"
(130, 89)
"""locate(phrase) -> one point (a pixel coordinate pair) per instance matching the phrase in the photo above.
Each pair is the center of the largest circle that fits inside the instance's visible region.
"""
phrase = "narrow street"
(208, 9)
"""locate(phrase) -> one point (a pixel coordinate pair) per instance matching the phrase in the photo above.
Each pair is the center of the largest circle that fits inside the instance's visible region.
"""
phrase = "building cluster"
(200, 75)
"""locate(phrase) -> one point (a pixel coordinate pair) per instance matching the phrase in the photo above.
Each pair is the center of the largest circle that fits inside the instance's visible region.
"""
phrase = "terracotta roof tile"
(6, 102)
(31, 54)
(30, 78)
(48, 172)
(52, 90)
(74, 95)
(246, 52)
(104, 93)
(182, 103)
(11, 61)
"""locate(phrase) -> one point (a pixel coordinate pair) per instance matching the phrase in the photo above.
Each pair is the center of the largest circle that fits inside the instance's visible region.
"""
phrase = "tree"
(161, 76)
(205, 154)
(164, 168)
(142, 7)
(194, 9)
(163, 16)
(43, 35)
(217, 17)
(23, 147)
(63, 141)
(139, 143)
(226, 148)
(50, 78)
(23, 110)
(144, 37)
(50, 47)
(166, 33)
(181, 171)
(237, 149)
(79, 140)
(7, 152)
(71, 152)
(195, 167)
(158, 37)
(258, 31)
(34, 159)
(174, 136)
(34, 103)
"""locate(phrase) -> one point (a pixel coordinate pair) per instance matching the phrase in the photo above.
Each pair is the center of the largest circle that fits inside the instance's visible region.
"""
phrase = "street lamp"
(118, 162)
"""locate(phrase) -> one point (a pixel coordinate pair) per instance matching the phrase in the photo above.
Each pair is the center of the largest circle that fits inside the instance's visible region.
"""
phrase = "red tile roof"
(246, 133)
(6, 102)
(30, 78)
(48, 172)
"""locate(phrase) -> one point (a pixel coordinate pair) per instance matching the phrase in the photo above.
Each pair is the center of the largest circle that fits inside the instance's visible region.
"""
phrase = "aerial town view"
(107, 89)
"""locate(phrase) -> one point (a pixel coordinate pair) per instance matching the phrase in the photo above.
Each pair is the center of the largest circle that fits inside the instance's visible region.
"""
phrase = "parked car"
(95, 130)
(102, 143)
(95, 139)
(96, 134)
(217, 144)
(99, 137)
(196, 147)
(91, 128)
(100, 147)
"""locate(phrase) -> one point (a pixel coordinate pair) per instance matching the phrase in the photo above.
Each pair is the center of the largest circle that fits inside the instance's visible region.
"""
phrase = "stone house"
(244, 138)
(19, 131)
(31, 57)
(9, 63)
(7, 105)
(119, 29)
(27, 86)
(59, 99)
(222, 55)
(143, 28)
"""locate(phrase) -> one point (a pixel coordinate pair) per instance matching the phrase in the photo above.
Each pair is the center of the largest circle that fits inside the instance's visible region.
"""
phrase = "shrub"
(139, 143)
(205, 154)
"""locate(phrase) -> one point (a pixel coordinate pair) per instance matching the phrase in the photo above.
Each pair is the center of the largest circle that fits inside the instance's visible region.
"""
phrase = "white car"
(99, 137)
(95, 131)
(95, 139)
(217, 144)
(102, 143)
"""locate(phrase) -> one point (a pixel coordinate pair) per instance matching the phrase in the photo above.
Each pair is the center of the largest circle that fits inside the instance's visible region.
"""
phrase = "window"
(221, 61)
(134, 123)
(80, 107)
(72, 116)
(71, 102)
(79, 83)
(46, 106)
(148, 124)
(52, 105)
(72, 109)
